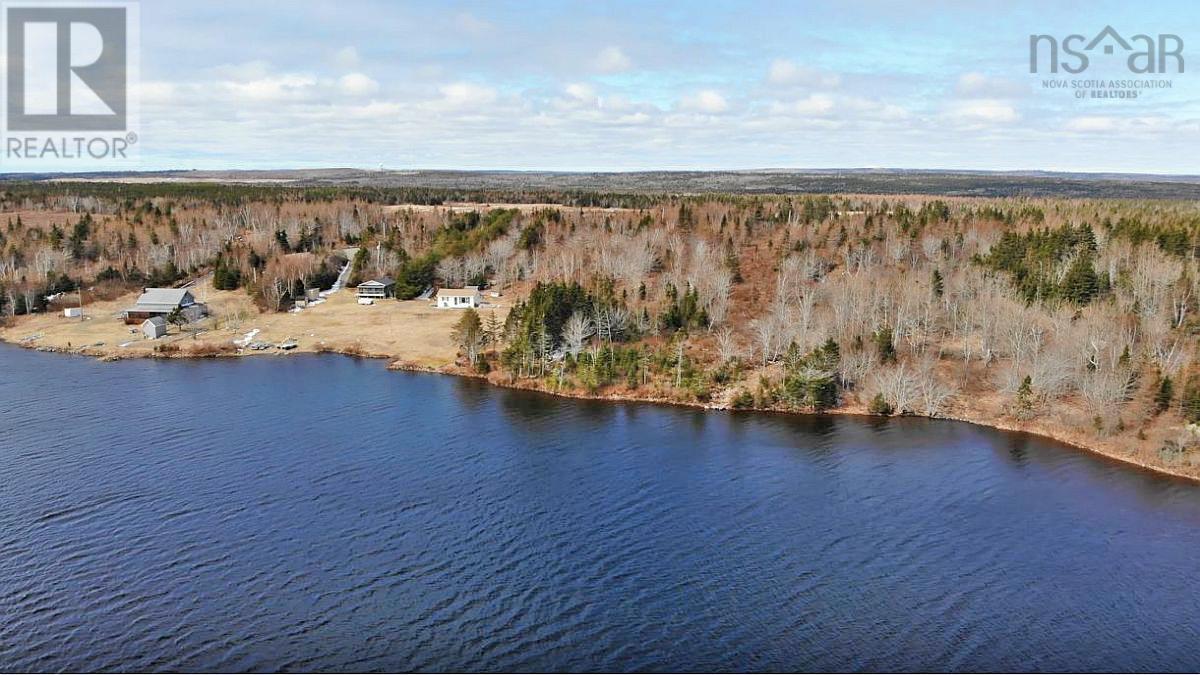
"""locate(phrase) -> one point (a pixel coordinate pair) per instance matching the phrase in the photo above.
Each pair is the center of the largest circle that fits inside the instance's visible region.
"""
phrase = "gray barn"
(162, 301)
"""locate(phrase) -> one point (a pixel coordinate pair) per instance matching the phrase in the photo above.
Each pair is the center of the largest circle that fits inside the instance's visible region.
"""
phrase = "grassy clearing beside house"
(410, 331)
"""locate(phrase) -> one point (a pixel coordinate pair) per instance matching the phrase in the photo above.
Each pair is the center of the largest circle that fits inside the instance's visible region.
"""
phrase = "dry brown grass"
(208, 349)
(411, 330)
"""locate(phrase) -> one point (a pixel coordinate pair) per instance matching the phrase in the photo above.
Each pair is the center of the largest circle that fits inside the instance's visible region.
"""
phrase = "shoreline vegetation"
(856, 410)
(1071, 319)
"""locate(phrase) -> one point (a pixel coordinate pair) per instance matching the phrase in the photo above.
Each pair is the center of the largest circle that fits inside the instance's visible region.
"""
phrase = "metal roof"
(162, 300)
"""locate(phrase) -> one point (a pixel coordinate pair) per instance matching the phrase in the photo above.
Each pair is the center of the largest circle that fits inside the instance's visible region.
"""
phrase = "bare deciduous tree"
(577, 329)
(727, 347)
(899, 387)
(933, 393)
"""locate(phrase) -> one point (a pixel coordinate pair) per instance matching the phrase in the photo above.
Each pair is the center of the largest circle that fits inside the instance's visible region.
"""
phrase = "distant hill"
(782, 181)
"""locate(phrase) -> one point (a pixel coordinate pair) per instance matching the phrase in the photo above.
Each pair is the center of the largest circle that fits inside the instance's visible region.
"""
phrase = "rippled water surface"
(321, 513)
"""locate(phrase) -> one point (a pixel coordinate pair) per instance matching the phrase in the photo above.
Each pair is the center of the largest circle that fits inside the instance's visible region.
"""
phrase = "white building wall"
(457, 301)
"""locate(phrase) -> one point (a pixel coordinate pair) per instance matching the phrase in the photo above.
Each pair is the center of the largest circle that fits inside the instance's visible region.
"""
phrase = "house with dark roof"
(383, 287)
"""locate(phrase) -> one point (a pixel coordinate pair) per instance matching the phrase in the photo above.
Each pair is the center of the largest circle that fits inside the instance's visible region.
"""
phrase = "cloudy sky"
(638, 85)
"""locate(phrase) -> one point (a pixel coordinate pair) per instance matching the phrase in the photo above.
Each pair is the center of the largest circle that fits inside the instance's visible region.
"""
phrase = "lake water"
(321, 513)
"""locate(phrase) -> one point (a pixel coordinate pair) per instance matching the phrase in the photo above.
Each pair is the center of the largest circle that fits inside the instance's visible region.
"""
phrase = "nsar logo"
(1147, 55)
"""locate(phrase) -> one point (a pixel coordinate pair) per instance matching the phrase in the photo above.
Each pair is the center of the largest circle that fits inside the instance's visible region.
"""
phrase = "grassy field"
(411, 331)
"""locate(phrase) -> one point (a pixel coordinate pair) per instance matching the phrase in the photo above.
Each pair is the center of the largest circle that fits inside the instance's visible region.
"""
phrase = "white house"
(380, 288)
(459, 298)
(154, 327)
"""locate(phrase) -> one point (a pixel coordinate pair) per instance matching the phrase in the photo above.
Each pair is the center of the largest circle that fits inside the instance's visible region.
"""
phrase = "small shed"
(154, 327)
(383, 287)
(73, 312)
(459, 298)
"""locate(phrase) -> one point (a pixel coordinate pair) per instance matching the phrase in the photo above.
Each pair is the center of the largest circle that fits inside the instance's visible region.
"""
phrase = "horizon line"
(779, 169)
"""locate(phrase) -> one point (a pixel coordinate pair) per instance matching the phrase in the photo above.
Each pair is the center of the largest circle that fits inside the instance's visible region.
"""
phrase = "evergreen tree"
(1025, 395)
(880, 406)
(809, 379)
(176, 318)
(468, 334)
(829, 355)
(1087, 239)
(357, 266)
(684, 312)
(732, 264)
(885, 345)
(226, 277)
(493, 330)
(415, 275)
(1166, 392)
(810, 388)
(1081, 284)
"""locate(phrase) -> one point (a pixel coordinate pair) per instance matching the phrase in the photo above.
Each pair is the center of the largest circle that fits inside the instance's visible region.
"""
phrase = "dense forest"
(1079, 314)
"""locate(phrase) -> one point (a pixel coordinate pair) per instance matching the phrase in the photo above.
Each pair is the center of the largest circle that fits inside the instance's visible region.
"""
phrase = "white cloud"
(346, 57)
(784, 72)
(612, 60)
(273, 89)
(816, 105)
(581, 94)
(242, 72)
(1125, 126)
(357, 84)
(978, 85)
(707, 101)
(377, 109)
(621, 103)
(830, 111)
(466, 94)
(985, 111)
(1091, 124)
(637, 118)
(152, 93)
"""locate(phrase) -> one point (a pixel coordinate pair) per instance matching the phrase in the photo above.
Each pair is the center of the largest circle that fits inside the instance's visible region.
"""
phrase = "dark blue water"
(321, 513)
